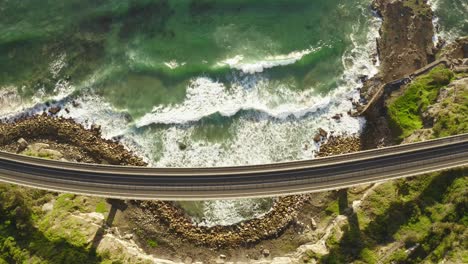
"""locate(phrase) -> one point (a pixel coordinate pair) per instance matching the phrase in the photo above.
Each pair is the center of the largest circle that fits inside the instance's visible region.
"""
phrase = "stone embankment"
(339, 145)
(66, 131)
(43, 134)
(270, 225)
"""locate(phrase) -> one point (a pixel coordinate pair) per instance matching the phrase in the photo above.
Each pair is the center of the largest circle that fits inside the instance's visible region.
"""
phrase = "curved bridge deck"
(237, 182)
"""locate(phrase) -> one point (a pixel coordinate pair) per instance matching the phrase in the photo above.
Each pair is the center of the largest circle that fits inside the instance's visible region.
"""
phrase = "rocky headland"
(405, 45)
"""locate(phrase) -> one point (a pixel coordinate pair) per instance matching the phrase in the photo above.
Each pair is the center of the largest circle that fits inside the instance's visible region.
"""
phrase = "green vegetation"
(21, 241)
(59, 224)
(152, 243)
(333, 209)
(30, 235)
(422, 219)
(427, 213)
(405, 112)
(38, 154)
(452, 118)
(101, 207)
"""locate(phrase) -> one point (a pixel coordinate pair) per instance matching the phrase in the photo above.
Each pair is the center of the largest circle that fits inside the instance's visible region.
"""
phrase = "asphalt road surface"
(264, 180)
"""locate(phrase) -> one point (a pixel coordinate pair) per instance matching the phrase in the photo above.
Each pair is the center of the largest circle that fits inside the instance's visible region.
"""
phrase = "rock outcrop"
(67, 131)
(405, 45)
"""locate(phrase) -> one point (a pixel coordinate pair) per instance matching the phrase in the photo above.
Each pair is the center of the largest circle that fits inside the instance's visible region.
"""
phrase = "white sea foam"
(93, 109)
(10, 100)
(206, 97)
(441, 33)
(57, 65)
(259, 138)
(228, 212)
(280, 128)
(434, 4)
(240, 63)
(173, 64)
(13, 105)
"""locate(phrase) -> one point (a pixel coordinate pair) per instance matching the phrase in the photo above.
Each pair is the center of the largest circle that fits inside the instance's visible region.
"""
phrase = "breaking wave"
(445, 26)
(240, 63)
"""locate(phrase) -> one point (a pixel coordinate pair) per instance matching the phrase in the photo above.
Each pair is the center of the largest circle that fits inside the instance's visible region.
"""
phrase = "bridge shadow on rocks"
(115, 206)
(352, 232)
(381, 229)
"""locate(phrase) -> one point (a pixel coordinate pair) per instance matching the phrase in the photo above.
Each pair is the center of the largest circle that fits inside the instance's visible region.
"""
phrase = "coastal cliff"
(405, 45)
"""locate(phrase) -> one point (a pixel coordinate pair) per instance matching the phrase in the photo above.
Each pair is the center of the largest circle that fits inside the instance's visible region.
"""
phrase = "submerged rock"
(317, 138)
(182, 146)
(55, 110)
(322, 132)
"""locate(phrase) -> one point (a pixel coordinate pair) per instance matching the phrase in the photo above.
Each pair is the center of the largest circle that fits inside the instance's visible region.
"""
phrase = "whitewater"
(263, 120)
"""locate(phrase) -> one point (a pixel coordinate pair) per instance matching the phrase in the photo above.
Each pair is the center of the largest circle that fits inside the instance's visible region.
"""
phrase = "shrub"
(152, 243)
(368, 256)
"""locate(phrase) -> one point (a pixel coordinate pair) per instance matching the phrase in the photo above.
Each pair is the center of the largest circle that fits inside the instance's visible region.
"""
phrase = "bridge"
(267, 180)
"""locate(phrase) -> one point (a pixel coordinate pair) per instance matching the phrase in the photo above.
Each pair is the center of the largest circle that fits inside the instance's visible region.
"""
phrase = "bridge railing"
(213, 171)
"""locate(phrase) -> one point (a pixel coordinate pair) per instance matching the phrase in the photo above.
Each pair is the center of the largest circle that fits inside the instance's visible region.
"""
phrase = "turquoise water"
(198, 83)
(137, 40)
(452, 18)
(193, 83)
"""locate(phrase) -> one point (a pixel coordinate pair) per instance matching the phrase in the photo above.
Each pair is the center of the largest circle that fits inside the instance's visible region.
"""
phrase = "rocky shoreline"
(246, 233)
(400, 51)
(67, 131)
(48, 133)
(405, 45)
(339, 145)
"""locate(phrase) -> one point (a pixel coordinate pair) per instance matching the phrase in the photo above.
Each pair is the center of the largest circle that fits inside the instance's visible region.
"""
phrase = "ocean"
(197, 83)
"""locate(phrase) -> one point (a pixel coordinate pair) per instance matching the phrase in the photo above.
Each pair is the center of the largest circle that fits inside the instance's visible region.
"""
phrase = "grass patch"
(38, 154)
(101, 207)
(405, 112)
(428, 212)
(333, 208)
(21, 241)
(452, 119)
(368, 256)
(152, 243)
